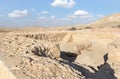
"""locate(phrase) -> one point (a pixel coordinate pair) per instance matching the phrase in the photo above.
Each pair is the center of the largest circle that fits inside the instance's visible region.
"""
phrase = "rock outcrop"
(50, 37)
(46, 50)
(33, 59)
(83, 46)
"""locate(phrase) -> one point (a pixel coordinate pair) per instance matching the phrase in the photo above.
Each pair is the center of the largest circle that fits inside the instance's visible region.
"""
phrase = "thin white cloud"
(82, 14)
(18, 13)
(79, 14)
(1, 15)
(63, 3)
(45, 12)
(46, 18)
(100, 15)
(42, 17)
(52, 17)
(71, 16)
(66, 19)
(33, 9)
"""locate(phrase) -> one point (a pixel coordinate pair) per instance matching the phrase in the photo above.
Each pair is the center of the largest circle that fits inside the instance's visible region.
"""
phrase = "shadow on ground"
(104, 70)
(69, 56)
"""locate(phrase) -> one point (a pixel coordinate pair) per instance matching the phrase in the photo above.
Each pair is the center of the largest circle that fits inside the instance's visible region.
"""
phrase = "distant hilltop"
(111, 21)
(108, 21)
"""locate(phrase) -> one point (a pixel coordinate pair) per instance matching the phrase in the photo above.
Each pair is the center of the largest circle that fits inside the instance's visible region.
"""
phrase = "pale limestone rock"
(114, 56)
(83, 46)
(5, 73)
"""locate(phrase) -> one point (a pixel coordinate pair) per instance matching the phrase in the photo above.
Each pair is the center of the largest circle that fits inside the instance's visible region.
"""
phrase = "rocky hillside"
(108, 21)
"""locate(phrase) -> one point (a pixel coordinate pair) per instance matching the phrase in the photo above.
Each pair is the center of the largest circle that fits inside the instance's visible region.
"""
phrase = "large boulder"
(91, 54)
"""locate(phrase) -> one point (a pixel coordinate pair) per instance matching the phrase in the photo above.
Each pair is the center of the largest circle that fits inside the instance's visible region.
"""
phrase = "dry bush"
(87, 27)
(72, 29)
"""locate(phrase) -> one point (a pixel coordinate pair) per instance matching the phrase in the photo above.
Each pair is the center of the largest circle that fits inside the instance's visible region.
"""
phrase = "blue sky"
(46, 13)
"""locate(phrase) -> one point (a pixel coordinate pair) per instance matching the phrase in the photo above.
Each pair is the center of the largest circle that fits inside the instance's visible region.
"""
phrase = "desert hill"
(108, 21)
(105, 22)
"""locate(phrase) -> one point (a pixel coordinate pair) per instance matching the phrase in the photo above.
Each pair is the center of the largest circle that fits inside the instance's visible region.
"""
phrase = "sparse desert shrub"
(4, 31)
(87, 27)
(73, 28)
(118, 26)
(80, 28)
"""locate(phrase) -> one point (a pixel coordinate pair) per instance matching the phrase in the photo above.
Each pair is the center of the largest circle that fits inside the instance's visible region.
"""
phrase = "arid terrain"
(90, 51)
